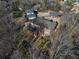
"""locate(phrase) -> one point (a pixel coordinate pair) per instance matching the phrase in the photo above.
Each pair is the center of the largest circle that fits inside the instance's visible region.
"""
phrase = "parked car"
(30, 15)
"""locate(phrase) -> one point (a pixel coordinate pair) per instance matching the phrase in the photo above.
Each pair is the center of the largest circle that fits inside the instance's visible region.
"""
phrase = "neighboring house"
(30, 15)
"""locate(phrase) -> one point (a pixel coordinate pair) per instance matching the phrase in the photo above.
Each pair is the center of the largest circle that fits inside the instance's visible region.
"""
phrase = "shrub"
(69, 3)
(15, 5)
(17, 14)
(56, 7)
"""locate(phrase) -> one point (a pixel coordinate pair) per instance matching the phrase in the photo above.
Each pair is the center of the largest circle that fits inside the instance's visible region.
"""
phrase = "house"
(41, 26)
(46, 26)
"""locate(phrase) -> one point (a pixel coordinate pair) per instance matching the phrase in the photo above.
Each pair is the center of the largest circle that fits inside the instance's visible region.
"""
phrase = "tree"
(15, 5)
(7, 34)
(69, 4)
(56, 6)
(65, 45)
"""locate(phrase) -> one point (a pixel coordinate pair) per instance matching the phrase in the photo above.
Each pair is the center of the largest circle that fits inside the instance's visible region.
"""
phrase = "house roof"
(55, 14)
(44, 23)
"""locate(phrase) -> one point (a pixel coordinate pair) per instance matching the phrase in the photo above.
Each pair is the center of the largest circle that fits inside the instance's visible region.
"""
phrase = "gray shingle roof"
(43, 23)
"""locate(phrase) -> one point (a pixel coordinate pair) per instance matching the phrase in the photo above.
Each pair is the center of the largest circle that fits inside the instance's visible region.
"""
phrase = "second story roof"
(44, 23)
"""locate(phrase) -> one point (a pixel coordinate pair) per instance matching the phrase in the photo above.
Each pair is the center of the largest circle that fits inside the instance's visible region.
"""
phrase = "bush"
(56, 7)
(69, 3)
(17, 14)
(15, 6)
